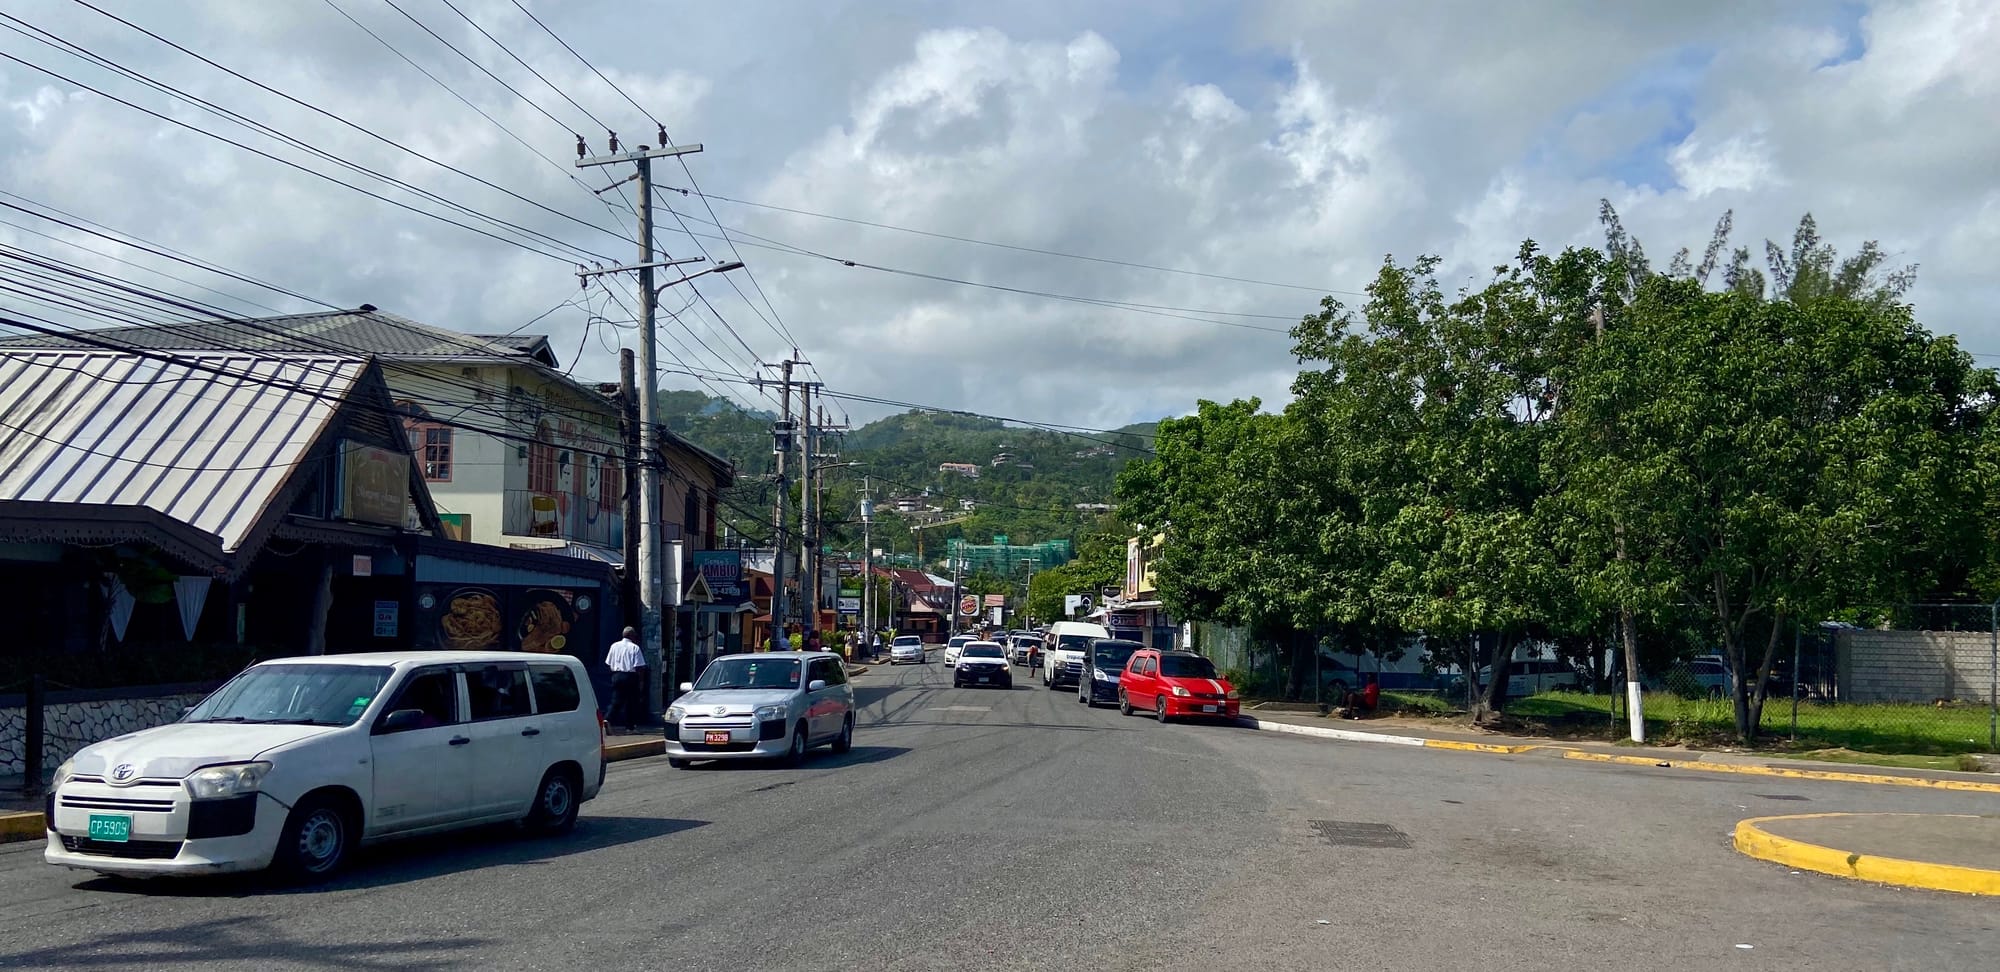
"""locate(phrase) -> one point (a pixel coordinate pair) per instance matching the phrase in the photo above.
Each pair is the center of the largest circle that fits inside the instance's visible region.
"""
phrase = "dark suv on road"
(1102, 666)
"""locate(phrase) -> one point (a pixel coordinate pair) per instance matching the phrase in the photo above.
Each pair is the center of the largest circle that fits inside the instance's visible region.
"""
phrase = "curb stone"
(22, 826)
(1753, 840)
(1571, 752)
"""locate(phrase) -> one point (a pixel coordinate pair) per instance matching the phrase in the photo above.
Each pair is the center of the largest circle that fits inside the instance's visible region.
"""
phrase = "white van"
(294, 762)
(1062, 651)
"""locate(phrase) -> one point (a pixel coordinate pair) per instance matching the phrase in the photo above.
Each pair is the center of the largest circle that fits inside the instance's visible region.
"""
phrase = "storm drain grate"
(1777, 796)
(1354, 833)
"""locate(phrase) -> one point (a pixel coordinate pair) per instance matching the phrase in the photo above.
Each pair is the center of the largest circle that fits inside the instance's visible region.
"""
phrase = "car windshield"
(751, 671)
(960, 641)
(307, 695)
(909, 640)
(1186, 666)
(1112, 655)
(982, 651)
(1073, 642)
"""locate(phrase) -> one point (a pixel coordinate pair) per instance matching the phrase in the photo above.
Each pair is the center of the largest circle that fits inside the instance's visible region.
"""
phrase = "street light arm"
(718, 268)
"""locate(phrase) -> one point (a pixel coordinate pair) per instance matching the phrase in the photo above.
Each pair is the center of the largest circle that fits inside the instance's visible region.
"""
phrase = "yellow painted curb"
(22, 826)
(634, 750)
(1763, 845)
(1473, 747)
(1795, 774)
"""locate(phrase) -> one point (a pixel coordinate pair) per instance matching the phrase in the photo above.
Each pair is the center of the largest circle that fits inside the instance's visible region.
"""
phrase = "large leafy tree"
(1773, 460)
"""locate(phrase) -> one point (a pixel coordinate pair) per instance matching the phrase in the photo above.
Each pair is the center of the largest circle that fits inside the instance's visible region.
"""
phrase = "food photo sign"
(486, 617)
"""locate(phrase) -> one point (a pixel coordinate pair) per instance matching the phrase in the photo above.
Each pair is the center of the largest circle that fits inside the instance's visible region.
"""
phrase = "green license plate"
(111, 828)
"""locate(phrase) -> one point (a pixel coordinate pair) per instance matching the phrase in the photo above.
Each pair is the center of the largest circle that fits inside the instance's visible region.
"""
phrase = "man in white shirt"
(627, 662)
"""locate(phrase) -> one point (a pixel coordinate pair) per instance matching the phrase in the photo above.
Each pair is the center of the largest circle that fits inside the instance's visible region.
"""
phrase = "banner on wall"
(486, 617)
(374, 484)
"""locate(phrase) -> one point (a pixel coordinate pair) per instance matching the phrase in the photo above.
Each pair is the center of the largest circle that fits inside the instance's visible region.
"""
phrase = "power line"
(53, 40)
(285, 162)
(531, 68)
(469, 59)
(349, 124)
(784, 333)
(1016, 247)
(1147, 309)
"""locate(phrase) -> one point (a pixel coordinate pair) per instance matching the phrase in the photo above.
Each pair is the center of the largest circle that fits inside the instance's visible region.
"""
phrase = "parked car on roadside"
(982, 663)
(1024, 649)
(907, 650)
(766, 705)
(1175, 684)
(295, 762)
(1103, 666)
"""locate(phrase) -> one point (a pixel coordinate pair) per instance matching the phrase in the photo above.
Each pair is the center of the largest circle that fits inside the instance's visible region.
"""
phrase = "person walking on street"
(812, 640)
(627, 662)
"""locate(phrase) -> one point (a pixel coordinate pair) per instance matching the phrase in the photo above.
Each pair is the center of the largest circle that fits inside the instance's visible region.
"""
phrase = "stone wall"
(1914, 666)
(76, 723)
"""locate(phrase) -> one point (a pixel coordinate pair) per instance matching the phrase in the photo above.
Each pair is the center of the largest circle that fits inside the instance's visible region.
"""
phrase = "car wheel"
(1160, 709)
(796, 754)
(315, 841)
(678, 763)
(846, 740)
(556, 802)
(1124, 703)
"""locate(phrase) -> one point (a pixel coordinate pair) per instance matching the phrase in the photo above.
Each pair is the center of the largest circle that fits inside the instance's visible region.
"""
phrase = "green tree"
(1772, 461)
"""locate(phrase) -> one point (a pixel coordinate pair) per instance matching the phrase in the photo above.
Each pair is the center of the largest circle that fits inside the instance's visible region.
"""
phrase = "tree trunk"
(1494, 697)
(1753, 695)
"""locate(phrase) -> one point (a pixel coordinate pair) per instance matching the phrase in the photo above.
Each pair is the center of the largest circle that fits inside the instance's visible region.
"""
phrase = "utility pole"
(869, 571)
(808, 542)
(781, 444)
(954, 587)
(628, 416)
(655, 625)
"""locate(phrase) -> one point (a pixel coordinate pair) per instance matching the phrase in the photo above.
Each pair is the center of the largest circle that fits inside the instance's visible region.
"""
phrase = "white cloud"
(1295, 141)
(1740, 163)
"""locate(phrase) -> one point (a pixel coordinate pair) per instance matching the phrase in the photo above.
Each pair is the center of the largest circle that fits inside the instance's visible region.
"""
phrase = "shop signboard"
(722, 571)
(374, 484)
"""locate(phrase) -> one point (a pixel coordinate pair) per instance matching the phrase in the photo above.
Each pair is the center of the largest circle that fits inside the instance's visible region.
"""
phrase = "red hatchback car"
(1175, 684)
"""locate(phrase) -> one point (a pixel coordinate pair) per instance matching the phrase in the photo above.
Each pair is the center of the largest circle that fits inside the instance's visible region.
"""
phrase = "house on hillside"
(1003, 459)
(967, 469)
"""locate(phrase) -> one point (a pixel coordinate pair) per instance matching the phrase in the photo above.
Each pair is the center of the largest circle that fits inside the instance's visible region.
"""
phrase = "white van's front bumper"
(158, 842)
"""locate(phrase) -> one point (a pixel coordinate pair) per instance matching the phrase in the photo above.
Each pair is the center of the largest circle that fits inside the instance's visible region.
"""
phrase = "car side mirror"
(403, 720)
(687, 687)
(816, 684)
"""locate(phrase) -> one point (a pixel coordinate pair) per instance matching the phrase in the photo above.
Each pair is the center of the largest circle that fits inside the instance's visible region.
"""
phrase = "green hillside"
(1030, 496)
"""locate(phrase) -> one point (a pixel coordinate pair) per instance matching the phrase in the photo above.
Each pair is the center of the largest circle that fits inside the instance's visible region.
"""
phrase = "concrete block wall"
(74, 725)
(1914, 666)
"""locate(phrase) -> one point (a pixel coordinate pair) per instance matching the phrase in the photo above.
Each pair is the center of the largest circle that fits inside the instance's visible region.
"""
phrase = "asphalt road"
(982, 829)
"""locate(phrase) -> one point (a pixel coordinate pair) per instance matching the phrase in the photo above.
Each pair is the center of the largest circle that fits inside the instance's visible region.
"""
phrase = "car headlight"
(1231, 694)
(770, 713)
(675, 713)
(1101, 675)
(234, 779)
(1181, 693)
(63, 773)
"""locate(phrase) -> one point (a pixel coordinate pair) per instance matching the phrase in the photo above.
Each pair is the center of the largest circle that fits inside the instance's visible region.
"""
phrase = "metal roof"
(362, 331)
(207, 440)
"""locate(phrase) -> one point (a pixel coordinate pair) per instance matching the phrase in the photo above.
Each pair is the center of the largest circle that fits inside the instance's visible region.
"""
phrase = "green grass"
(1893, 728)
(1416, 703)
(1904, 761)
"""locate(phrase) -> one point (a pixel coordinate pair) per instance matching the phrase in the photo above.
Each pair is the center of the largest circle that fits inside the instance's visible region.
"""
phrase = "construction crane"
(917, 531)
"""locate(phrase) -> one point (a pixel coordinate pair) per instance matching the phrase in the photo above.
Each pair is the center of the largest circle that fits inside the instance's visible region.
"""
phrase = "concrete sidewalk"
(1940, 852)
(1410, 732)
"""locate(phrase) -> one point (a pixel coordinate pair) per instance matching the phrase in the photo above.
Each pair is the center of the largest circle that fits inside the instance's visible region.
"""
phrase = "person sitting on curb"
(1364, 702)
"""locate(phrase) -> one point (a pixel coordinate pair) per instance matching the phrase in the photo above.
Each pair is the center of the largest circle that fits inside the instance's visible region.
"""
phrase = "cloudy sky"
(1252, 156)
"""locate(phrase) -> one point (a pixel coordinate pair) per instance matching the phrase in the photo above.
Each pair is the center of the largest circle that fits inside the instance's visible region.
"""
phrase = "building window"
(611, 487)
(431, 444)
(542, 462)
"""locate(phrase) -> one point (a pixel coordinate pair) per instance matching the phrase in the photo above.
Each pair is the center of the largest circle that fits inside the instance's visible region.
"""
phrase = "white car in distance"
(954, 647)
